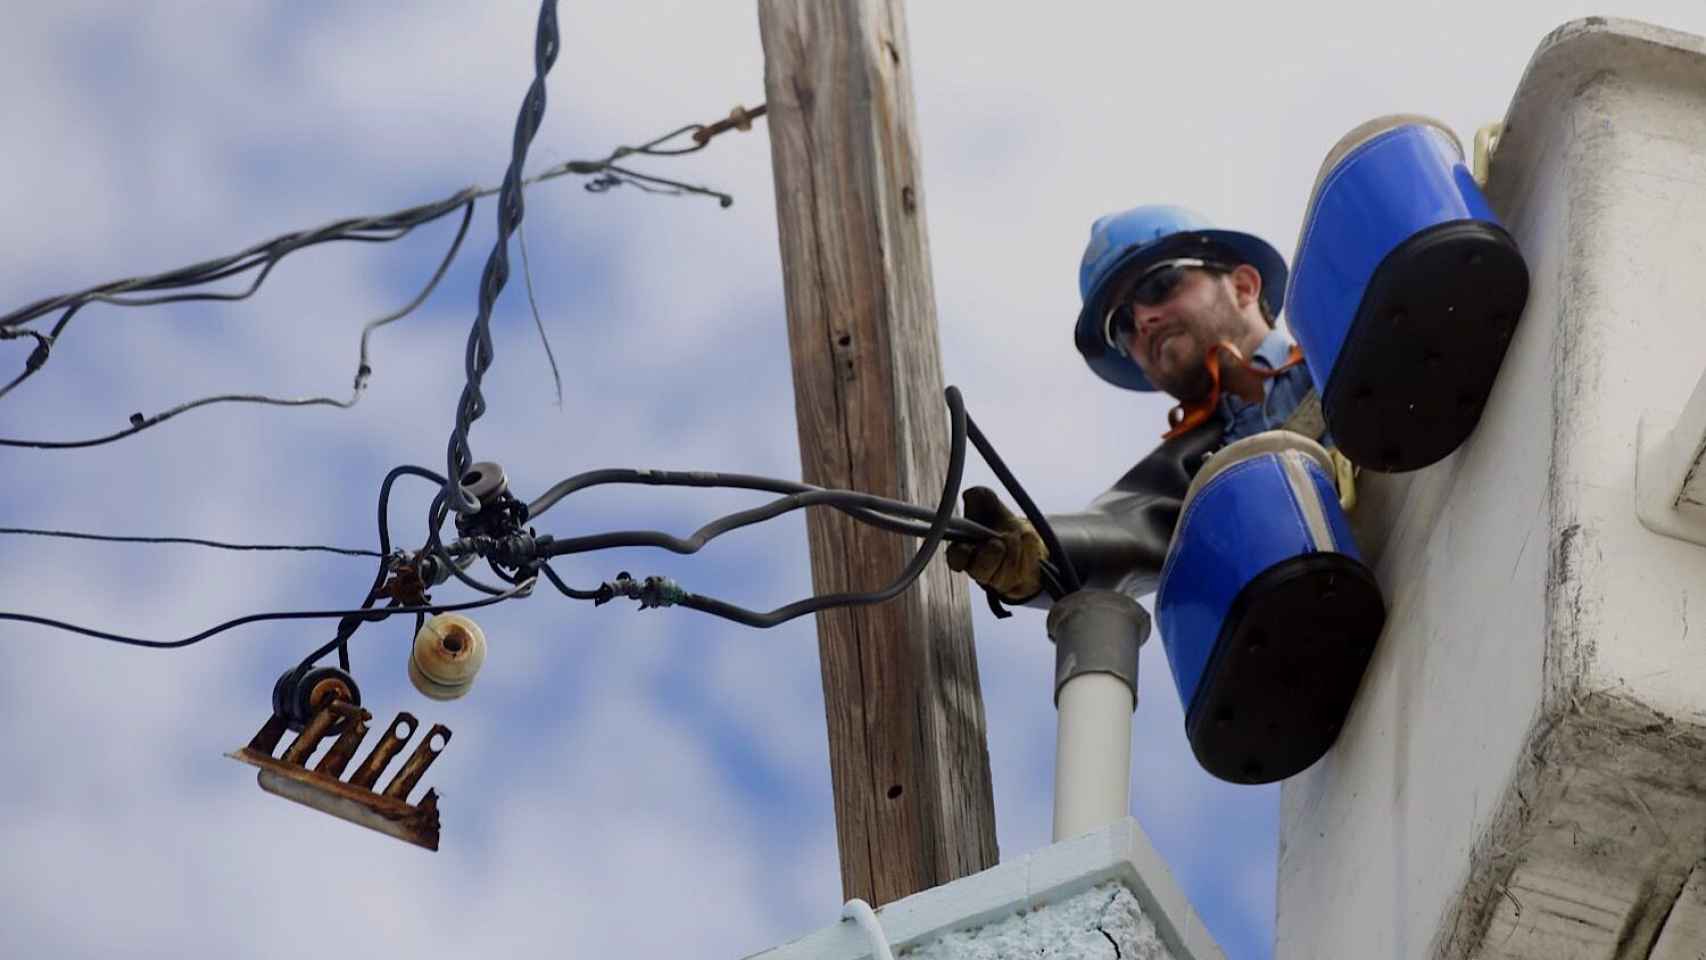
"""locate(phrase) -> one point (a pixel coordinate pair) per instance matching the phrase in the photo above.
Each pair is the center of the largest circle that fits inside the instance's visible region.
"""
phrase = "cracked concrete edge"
(1119, 852)
(1102, 922)
(1640, 773)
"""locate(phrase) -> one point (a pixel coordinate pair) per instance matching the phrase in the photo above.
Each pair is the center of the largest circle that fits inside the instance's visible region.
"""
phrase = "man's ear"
(1246, 285)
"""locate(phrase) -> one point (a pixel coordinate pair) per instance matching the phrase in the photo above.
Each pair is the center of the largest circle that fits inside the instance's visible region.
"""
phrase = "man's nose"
(1146, 318)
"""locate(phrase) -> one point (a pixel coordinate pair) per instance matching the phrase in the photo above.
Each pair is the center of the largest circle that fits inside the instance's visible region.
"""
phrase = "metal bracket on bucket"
(388, 812)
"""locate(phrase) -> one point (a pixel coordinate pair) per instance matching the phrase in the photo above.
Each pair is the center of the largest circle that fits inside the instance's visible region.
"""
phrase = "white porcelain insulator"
(448, 653)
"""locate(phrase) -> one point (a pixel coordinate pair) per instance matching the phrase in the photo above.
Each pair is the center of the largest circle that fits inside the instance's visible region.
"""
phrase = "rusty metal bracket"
(388, 812)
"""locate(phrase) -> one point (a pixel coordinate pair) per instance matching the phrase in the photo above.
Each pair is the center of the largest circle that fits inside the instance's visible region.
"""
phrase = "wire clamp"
(651, 592)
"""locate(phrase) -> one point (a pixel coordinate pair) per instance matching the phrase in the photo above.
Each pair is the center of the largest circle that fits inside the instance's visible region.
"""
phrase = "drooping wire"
(264, 256)
(941, 519)
(567, 590)
(348, 625)
(533, 304)
(920, 558)
(190, 541)
(1068, 574)
(696, 541)
(607, 175)
(1058, 579)
(364, 368)
(349, 620)
(259, 617)
(436, 515)
(478, 356)
(879, 511)
(868, 508)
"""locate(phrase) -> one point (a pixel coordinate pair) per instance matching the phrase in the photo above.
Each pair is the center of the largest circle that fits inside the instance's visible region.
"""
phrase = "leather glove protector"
(1010, 563)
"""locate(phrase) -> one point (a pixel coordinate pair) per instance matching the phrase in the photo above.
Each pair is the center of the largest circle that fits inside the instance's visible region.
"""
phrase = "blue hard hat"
(1133, 239)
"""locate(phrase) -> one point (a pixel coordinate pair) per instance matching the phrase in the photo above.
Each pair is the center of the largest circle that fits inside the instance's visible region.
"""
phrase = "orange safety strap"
(1188, 416)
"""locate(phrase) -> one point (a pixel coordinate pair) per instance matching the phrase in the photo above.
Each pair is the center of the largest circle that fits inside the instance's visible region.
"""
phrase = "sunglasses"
(1155, 287)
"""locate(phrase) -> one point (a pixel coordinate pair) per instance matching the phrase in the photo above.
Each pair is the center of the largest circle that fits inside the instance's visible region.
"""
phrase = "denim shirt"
(1280, 395)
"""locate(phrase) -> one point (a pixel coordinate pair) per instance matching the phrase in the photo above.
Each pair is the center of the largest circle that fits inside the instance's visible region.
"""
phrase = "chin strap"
(1188, 416)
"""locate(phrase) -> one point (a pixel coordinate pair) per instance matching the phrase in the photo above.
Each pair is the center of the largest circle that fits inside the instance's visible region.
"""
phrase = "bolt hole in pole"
(895, 792)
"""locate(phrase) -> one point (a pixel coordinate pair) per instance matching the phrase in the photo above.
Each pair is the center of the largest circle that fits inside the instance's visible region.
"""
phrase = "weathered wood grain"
(908, 758)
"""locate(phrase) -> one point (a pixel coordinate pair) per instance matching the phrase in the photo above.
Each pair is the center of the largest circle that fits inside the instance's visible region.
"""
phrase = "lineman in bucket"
(1235, 520)
(1173, 304)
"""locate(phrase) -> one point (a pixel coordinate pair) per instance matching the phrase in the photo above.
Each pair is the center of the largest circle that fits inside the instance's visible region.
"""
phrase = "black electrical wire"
(811, 496)
(914, 567)
(190, 541)
(258, 617)
(477, 358)
(862, 506)
(348, 619)
(340, 640)
(692, 544)
(265, 256)
(1068, 575)
(366, 614)
(1058, 580)
(348, 625)
(567, 590)
(436, 515)
(364, 368)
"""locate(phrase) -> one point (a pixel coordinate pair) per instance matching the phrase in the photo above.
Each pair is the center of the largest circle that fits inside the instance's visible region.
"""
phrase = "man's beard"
(1192, 382)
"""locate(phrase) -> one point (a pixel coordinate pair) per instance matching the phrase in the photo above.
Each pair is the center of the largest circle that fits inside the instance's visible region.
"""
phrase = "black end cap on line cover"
(1425, 347)
(1285, 668)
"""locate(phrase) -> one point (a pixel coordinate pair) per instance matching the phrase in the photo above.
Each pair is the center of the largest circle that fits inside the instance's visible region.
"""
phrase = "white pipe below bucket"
(1092, 754)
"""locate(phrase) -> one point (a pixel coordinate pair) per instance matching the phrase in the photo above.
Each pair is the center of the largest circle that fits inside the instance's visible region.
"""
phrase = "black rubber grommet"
(292, 701)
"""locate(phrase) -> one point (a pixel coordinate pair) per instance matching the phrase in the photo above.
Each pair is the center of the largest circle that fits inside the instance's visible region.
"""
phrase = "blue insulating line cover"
(1382, 193)
(1241, 523)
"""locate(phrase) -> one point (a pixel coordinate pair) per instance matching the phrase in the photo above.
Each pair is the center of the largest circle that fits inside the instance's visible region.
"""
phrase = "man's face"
(1175, 318)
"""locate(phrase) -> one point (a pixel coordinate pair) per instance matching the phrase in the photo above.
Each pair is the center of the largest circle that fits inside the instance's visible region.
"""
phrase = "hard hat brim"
(1122, 371)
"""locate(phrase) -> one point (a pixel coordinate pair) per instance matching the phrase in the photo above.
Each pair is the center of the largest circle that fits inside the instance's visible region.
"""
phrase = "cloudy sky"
(620, 782)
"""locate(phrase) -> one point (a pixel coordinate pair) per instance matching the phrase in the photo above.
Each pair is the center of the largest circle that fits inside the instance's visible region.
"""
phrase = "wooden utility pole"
(908, 759)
